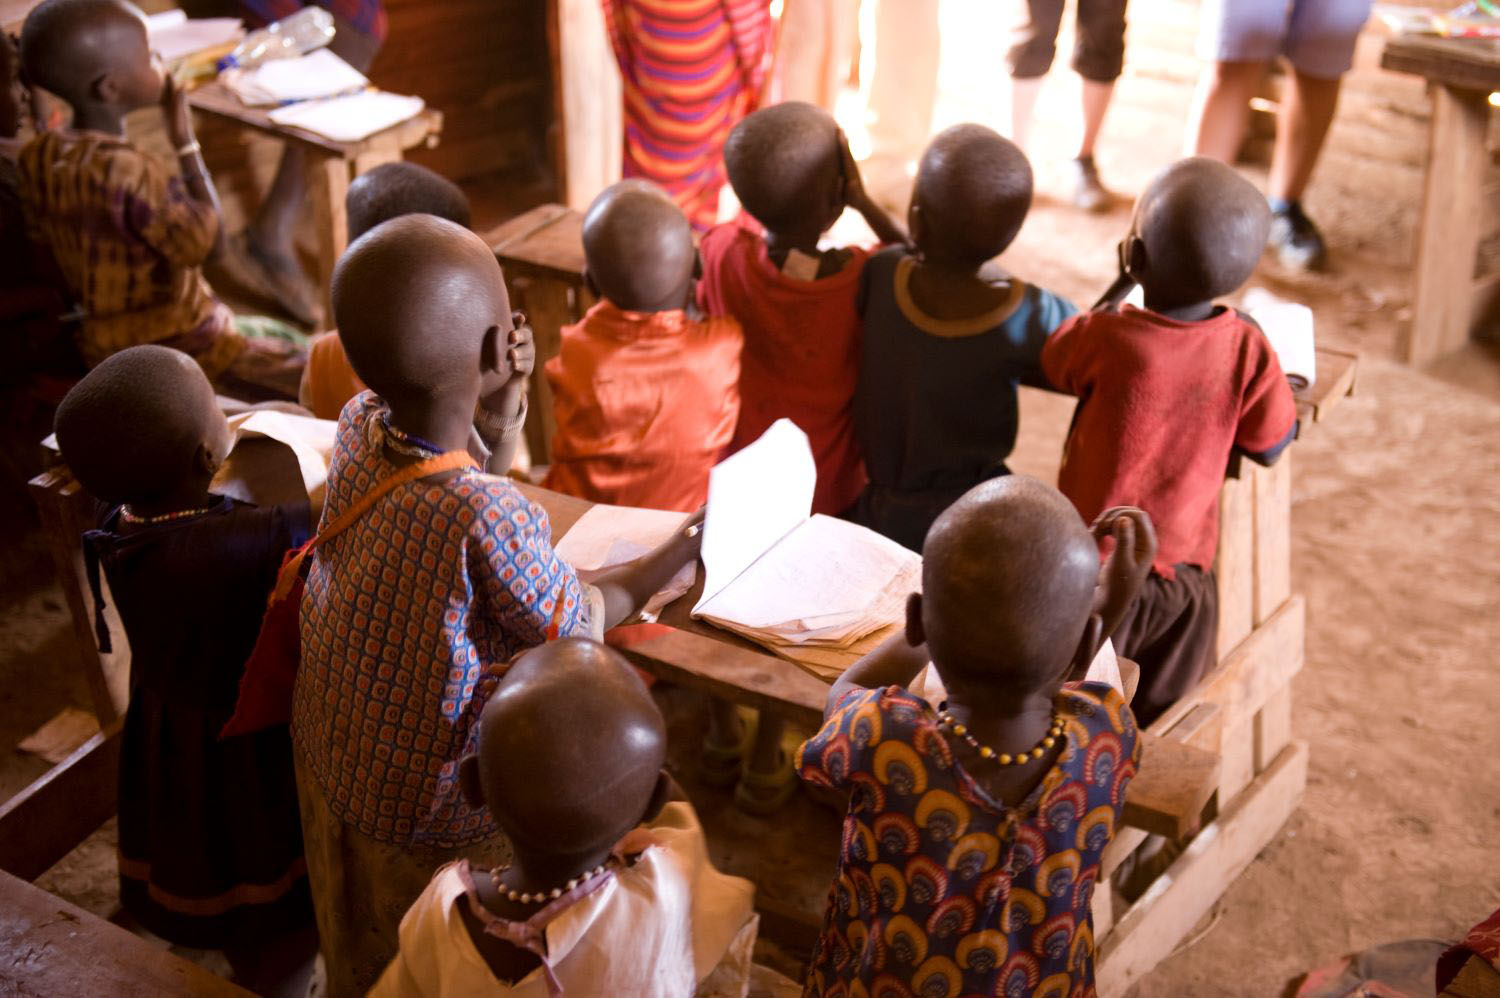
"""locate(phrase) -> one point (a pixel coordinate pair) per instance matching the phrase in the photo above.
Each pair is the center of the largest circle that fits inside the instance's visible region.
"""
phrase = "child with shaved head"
(379, 195)
(972, 844)
(210, 847)
(1167, 393)
(790, 167)
(948, 337)
(645, 390)
(443, 579)
(610, 891)
(129, 237)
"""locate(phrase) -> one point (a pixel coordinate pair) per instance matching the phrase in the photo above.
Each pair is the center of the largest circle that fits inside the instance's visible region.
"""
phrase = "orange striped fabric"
(691, 70)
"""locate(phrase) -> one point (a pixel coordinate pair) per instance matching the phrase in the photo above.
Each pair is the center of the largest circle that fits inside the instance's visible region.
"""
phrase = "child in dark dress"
(948, 338)
(973, 840)
(210, 846)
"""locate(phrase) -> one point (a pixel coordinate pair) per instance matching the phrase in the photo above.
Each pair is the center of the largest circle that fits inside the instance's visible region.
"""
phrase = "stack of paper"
(351, 118)
(607, 536)
(1289, 327)
(276, 458)
(318, 74)
(174, 37)
(781, 578)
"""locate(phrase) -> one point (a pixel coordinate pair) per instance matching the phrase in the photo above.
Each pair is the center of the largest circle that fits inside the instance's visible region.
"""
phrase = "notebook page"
(828, 579)
(755, 497)
(350, 118)
(607, 536)
(1289, 327)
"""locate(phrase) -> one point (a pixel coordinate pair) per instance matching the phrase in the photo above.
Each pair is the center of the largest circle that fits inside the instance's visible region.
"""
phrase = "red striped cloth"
(691, 70)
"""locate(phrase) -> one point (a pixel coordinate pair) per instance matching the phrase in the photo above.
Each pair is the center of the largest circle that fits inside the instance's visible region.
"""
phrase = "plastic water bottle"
(308, 29)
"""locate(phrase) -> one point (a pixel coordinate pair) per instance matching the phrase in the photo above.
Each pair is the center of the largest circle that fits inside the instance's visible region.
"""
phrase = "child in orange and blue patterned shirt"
(972, 844)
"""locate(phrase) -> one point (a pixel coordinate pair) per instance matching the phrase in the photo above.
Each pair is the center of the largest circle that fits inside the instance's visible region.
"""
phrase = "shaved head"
(414, 299)
(972, 194)
(1199, 229)
(1008, 579)
(571, 747)
(69, 47)
(132, 429)
(785, 165)
(402, 188)
(639, 247)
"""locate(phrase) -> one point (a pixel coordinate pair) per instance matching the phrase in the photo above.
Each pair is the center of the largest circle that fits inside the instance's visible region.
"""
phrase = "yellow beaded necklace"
(948, 723)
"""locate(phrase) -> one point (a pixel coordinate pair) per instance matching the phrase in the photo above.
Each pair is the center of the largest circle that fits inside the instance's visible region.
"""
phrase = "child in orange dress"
(646, 392)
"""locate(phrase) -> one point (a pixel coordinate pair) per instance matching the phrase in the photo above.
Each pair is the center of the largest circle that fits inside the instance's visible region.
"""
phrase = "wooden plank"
(52, 947)
(1273, 728)
(548, 307)
(1201, 727)
(47, 820)
(215, 99)
(1459, 62)
(1246, 679)
(1272, 492)
(588, 100)
(1126, 841)
(518, 228)
(1173, 784)
(1103, 908)
(1154, 925)
(1236, 759)
(1234, 564)
(1448, 234)
(551, 250)
(327, 188)
(1337, 374)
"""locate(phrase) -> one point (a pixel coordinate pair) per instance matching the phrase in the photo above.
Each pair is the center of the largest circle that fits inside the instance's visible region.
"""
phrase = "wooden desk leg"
(328, 184)
(1448, 235)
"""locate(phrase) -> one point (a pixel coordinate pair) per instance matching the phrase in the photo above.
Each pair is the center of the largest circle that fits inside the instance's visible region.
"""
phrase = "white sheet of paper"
(1290, 328)
(320, 73)
(606, 536)
(176, 38)
(350, 118)
(755, 497)
(828, 578)
(310, 441)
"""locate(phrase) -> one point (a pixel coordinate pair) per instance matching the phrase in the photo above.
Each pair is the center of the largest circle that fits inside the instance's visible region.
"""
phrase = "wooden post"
(328, 185)
(1448, 236)
(588, 101)
(1234, 568)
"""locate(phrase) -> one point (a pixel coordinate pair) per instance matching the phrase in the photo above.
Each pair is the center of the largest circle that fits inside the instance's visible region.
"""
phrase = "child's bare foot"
(289, 286)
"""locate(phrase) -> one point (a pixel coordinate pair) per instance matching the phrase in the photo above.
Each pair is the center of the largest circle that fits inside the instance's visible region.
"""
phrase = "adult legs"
(1221, 108)
(1033, 47)
(902, 92)
(1306, 114)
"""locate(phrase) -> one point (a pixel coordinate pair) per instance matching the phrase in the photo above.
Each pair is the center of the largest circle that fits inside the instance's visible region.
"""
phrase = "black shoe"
(1296, 240)
(1089, 193)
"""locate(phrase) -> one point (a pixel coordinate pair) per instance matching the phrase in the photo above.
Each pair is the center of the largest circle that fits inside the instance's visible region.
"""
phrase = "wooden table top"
(1466, 63)
(216, 99)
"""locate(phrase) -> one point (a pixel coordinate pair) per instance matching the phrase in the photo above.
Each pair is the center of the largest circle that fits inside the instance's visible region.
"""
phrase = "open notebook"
(780, 577)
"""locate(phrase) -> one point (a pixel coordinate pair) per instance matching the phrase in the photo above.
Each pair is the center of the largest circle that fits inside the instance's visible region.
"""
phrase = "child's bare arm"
(1128, 566)
(627, 587)
(887, 229)
(195, 175)
(894, 663)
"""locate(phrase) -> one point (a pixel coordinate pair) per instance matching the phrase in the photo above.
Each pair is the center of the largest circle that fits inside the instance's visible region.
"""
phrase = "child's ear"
(916, 634)
(468, 781)
(661, 795)
(104, 89)
(492, 353)
(1088, 647)
(588, 282)
(1133, 260)
(206, 461)
(915, 223)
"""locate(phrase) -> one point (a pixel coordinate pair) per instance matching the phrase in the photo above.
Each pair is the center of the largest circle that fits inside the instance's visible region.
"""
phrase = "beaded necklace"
(408, 444)
(127, 516)
(525, 897)
(948, 723)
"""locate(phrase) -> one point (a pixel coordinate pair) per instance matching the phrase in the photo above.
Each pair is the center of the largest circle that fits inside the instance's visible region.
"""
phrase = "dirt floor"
(1396, 511)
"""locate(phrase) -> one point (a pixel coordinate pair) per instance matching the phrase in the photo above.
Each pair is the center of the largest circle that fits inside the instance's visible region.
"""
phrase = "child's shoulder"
(1099, 708)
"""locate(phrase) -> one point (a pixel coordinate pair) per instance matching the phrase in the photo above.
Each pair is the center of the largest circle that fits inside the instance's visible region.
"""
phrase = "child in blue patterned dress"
(972, 843)
(409, 613)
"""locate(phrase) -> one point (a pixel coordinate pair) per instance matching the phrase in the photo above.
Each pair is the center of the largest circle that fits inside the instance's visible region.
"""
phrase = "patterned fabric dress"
(691, 70)
(943, 891)
(402, 616)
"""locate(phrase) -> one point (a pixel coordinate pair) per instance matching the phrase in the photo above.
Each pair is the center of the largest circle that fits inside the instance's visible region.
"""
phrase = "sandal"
(763, 794)
(719, 764)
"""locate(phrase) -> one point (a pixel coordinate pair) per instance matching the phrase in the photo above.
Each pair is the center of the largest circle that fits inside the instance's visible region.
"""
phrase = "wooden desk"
(52, 947)
(1447, 302)
(330, 164)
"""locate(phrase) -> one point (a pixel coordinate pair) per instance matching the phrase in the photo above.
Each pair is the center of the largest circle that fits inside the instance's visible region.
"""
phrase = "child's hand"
(689, 537)
(1129, 563)
(520, 355)
(854, 184)
(179, 117)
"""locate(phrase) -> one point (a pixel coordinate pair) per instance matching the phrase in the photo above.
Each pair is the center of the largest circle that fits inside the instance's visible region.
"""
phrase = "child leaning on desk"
(128, 236)
(973, 839)
(1166, 394)
(443, 579)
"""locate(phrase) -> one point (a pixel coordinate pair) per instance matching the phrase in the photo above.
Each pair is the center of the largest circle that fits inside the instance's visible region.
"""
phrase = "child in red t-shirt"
(1166, 394)
(790, 167)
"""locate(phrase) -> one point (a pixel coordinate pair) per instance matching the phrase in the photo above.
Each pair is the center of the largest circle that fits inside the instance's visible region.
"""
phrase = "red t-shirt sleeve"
(1267, 409)
(1062, 361)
